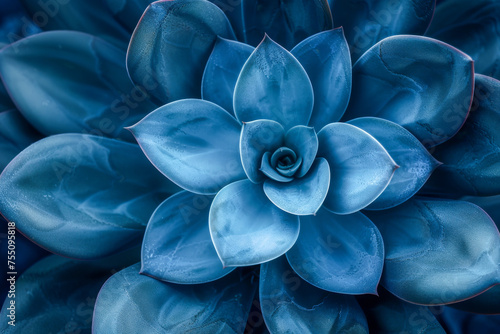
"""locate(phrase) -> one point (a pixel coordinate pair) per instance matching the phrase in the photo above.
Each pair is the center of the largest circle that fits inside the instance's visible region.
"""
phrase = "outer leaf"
(326, 59)
(257, 138)
(82, 196)
(304, 142)
(360, 167)
(83, 87)
(171, 45)
(132, 303)
(458, 322)
(302, 196)
(418, 82)
(416, 164)
(57, 295)
(246, 228)
(177, 246)
(486, 302)
(234, 13)
(5, 101)
(273, 85)
(128, 12)
(194, 143)
(369, 21)
(287, 23)
(489, 204)
(222, 71)
(91, 16)
(474, 28)
(471, 159)
(343, 254)
(15, 135)
(432, 251)
(285, 296)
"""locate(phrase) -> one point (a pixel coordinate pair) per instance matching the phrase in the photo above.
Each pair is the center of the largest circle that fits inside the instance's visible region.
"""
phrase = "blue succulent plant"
(313, 182)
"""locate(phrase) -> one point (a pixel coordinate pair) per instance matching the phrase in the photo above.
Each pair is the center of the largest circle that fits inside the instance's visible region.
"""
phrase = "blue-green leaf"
(82, 88)
(222, 71)
(285, 296)
(133, 303)
(82, 196)
(338, 253)
(420, 83)
(273, 85)
(177, 246)
(247, 228)
(415, 163)
(171, 45)
(194, 143)
(325, 57)
(438, 251)
(258, 137)
(360, 167)
(302, 196)
(304, 142)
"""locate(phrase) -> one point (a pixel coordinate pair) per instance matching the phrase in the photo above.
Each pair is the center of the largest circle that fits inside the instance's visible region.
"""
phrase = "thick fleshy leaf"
(15, 135)
(369, 21)
(338, 253)
(474, 28)
(325, 57)
(360, 167)
(5, 101)
(268, 170)
(194, 143)
(489, 204)
(171, 45)
(177, 246)
(459, 322)
(83, 87)
(288, 23)
(273, 85)
(415, 163)
(304, 142)
(471, 159)
(57, 295)
(222, 71)
(234, 13)
(90, 16)
(418, 82)
(486, 302)
(257, 138)
(128, 12)
(432, 251)
(247, 228)
(387, 314)
(302, 196)
(82, 196)
(133, 303)
(285, 296)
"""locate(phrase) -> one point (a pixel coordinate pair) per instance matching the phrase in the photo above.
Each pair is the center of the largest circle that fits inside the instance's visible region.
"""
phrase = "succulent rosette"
(309, 179)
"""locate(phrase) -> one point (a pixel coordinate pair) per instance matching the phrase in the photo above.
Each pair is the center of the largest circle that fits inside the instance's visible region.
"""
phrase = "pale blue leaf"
(82, 88)
(438, 251)
(338, 253)
(82, 196)
(90, 16)
(15, 135)
(268, 170)
(490, 204)
(471, 159)
(474, 28)
(326, 59)
(360, 167)
(233, 9)
(177, 246)
(132, 303)
(247, 228)
(57, 295)
(415, 163)
(128, 12)
(171, 45)
(273, 85)
(194, 143)
(302, 196)
(257, 138)
(420, 83)
(304, 142)
(222, 71)
(369, 21)
(285, 296)
(288, 23)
